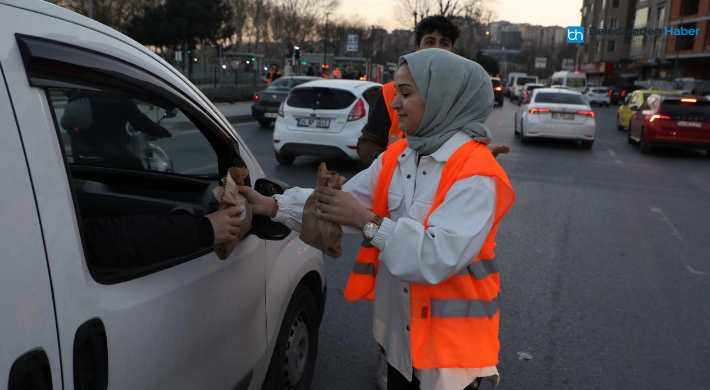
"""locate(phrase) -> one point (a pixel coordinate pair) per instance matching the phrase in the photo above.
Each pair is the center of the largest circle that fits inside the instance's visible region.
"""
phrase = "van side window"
(111, 130)
(131, 161)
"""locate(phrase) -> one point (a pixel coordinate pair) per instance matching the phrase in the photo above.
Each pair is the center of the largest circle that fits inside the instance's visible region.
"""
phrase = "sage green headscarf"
(457, 95)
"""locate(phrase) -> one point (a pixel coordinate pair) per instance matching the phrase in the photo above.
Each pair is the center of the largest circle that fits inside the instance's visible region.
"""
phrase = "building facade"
(605, 58)
(691, 52)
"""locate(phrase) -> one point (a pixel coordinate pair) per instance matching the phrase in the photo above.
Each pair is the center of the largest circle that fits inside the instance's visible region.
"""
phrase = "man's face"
(434, 40)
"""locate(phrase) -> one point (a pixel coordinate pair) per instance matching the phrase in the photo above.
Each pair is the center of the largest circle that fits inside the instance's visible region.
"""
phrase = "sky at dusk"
(543, 12)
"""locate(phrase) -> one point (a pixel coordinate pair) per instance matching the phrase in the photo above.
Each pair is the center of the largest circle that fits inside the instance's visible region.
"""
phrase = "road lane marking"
(679, 237)
(611, 152)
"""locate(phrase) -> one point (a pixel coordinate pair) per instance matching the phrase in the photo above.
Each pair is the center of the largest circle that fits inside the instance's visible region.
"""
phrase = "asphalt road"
(605, 266)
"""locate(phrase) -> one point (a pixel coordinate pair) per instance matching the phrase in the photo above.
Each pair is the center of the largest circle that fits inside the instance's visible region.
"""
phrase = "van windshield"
(525, 80)
(576, 82)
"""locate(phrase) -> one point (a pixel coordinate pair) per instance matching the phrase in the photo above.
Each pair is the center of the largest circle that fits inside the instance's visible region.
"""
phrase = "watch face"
(369, 230)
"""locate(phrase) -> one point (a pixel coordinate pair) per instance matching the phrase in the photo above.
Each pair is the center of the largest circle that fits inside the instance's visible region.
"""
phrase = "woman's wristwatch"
(371, 227)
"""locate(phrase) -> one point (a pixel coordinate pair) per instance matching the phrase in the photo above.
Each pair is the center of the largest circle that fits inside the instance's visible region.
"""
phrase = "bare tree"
(294, 21)
(113, 13)
(409, 12)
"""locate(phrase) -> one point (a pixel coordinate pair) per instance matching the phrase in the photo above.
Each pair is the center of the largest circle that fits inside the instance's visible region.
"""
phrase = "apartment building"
(649, 51)
(692, 52)
(606, 58)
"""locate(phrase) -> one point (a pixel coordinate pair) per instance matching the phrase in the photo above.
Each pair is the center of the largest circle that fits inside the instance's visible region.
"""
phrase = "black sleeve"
(142, 123)
(378, 119)
(143, 240)
(375, 134)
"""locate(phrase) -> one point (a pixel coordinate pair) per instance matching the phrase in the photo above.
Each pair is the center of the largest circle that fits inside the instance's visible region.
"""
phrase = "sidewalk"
(236, 112)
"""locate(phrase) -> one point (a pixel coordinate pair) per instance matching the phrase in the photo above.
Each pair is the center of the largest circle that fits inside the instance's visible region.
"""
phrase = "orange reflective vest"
(389, 91)
(454, 323)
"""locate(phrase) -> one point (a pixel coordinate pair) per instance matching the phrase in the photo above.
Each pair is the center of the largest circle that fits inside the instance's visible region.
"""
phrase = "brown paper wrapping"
(498, 149)
(323, 235)
(228, 196)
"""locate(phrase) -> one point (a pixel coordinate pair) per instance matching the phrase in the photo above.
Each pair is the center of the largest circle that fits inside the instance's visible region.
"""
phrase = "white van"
(70, 321)
(518, 82)
(507, 88)
(573, 80)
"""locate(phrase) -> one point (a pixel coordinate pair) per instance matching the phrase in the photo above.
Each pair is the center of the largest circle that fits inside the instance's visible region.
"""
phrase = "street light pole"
(325, 41)
(677, 46)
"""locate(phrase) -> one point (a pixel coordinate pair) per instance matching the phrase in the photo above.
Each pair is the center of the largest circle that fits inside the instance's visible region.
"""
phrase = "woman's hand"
(341, 207)
(260, 204)
(226, 224)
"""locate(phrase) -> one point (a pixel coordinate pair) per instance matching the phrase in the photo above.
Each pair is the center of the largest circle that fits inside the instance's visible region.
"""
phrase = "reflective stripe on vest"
(454, 323)
(389, 91)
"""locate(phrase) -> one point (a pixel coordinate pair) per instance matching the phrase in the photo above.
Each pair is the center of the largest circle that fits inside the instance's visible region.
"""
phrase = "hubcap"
(296, 352)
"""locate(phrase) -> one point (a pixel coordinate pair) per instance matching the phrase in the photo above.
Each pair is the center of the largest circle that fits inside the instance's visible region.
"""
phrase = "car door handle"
(91, 356)
(31, 371)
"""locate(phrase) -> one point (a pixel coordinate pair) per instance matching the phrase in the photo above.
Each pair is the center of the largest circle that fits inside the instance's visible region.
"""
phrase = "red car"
(671, 120)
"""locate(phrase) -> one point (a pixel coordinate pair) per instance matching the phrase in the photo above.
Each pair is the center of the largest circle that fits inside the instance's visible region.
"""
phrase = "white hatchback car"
(600, 96)
(556, 113)
(189, 322)
(323, 118)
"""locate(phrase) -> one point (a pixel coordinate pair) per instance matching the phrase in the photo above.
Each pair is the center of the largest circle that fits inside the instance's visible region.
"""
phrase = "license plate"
(562, 115)
(313, 122)
(270, 115)
(689, 124)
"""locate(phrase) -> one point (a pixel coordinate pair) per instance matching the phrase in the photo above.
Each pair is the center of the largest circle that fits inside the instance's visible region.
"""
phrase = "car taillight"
(688, 100)
(586, 113)
(623, 93)
(357, 112)
(539, 110)
(281, 108)
(610, 93)
(256, 97)
(498, 89)
(654, 117)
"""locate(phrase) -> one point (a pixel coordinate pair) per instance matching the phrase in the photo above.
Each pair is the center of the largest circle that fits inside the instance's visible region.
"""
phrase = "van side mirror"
(262, 225)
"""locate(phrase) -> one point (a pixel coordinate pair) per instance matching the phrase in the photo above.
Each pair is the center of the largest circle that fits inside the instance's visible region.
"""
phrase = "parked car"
(189, 322)
(556, 113)
(667, 120)
(598, 96)
(497, 90)
(266, 104)
(527, 89)
(619, 93)
(323, 118)
(632, 103)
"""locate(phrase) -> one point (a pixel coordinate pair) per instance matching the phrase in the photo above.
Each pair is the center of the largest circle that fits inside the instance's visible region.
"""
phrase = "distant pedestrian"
(349, 74)
(311, 70)
(274, 74)
(336, 72)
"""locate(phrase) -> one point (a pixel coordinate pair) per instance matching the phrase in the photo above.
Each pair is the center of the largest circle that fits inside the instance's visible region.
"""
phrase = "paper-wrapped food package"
(323, 235)
(498, 149)
(228, 196)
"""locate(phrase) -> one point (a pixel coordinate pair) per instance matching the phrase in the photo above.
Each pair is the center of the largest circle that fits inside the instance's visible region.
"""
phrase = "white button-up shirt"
(409, 253)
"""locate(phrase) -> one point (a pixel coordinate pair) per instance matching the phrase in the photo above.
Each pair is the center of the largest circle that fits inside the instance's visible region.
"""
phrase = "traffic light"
(304, 63)
(297, 53)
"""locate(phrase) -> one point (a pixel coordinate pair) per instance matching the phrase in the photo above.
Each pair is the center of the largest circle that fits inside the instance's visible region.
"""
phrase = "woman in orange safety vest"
(429, 208)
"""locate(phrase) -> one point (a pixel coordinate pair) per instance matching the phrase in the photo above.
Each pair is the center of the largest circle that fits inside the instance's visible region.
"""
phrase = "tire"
(618, 124)
(285, 159)
(523, 138)
(587, 144)
(500, 102)
(292, 364)
(644, 146)
(265, 122)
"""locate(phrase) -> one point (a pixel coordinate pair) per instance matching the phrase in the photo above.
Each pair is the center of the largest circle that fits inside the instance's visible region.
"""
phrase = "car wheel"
(265, 122)
(285, 159)
(500, 103)
(587, 144)
(644, 146)
(618, 124)
(294, 357)
(523, 138)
